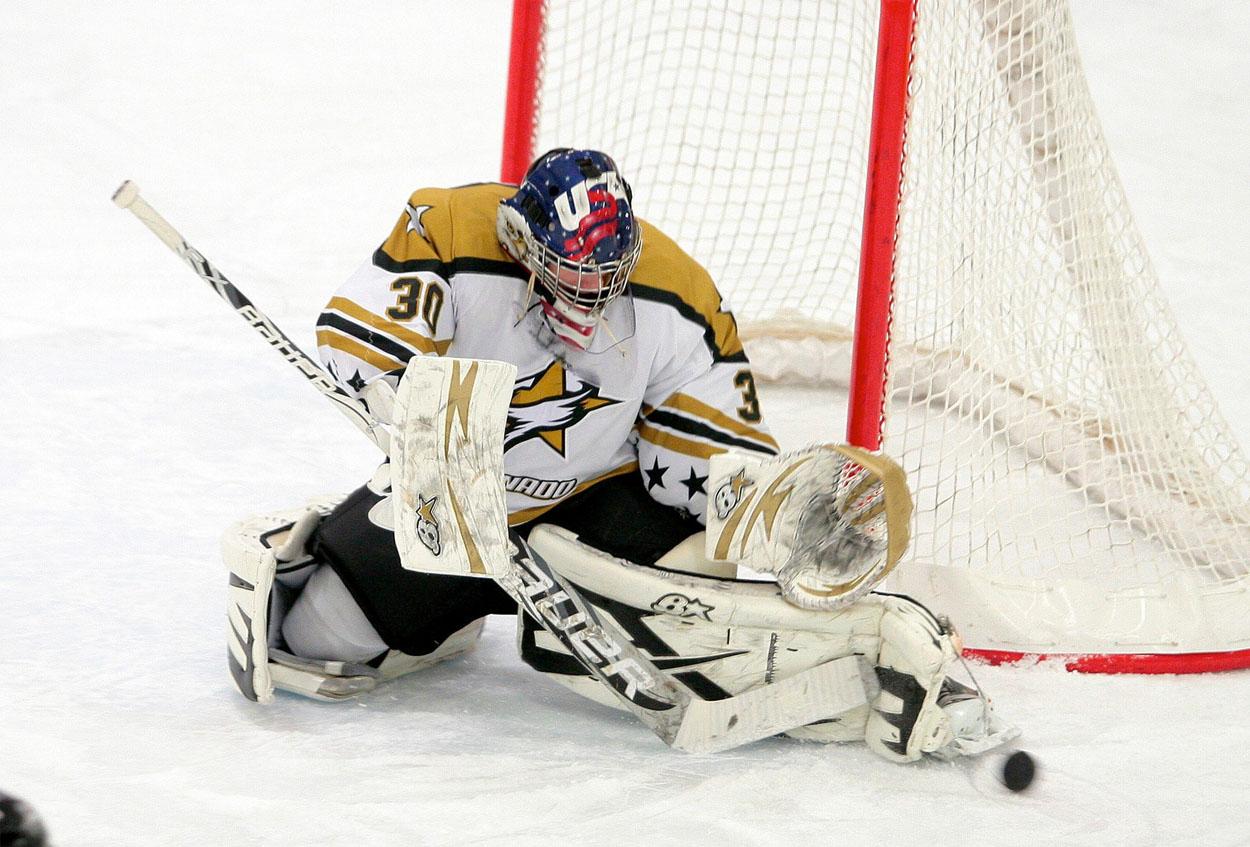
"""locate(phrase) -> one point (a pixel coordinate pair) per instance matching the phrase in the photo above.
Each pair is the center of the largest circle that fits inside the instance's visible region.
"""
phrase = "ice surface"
(141, 418)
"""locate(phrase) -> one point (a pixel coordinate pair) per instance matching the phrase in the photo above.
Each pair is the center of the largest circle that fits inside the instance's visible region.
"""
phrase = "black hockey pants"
(414, 612)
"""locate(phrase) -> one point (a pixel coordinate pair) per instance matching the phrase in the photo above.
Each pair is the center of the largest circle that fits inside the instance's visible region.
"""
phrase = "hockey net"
(994, 316)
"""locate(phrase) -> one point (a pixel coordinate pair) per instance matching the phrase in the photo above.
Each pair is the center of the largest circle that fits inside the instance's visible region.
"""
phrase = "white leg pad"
(255, 550)
(748, 654)
(916, 656)
(723, 639)
(331, 681)
(268, 568)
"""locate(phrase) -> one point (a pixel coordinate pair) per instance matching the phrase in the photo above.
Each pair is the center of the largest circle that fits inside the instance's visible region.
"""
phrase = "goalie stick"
(670, 710)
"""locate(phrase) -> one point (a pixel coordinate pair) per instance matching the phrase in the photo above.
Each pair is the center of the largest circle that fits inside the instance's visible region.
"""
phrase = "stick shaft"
(127, 197)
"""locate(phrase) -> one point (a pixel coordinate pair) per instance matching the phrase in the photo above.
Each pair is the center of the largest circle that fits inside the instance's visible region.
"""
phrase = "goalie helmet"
(571, 223)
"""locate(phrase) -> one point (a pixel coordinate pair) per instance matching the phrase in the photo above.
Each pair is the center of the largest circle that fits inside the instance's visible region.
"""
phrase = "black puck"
(1019, 770)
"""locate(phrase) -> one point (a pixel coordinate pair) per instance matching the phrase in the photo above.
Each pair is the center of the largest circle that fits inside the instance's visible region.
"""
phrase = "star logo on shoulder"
(414, 219)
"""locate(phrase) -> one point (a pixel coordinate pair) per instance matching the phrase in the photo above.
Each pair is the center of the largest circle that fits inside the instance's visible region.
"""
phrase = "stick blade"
(819, 693)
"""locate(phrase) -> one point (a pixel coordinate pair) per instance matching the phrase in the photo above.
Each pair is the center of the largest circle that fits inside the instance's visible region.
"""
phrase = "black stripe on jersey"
(464, 264)
(702, 430)
(656, 295)
(374, 339)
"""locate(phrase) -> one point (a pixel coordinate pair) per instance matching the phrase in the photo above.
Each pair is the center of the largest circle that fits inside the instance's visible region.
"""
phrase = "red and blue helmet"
(571, 223)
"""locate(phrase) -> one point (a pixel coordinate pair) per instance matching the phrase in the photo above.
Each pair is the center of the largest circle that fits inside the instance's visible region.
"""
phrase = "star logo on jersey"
(694, 484)
(547, 404)
(414, 219)
(655, 474)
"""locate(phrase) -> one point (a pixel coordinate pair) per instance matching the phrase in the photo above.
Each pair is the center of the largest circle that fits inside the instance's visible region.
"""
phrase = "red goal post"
(912, 201)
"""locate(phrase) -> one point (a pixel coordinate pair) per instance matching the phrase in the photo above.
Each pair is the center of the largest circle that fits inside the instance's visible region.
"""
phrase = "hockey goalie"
(575, 439)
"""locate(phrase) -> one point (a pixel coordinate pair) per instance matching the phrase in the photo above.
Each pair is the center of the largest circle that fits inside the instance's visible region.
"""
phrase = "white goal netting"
(1076, 488)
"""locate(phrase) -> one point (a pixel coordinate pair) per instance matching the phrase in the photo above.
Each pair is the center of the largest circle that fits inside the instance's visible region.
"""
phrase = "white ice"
(140, 418)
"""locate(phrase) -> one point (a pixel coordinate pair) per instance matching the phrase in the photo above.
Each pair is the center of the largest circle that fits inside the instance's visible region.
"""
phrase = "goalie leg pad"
(722, 638)
(328, 680)
(254, 551)
(916, 654)
(718, 638)
(269, 567)
(921, 709)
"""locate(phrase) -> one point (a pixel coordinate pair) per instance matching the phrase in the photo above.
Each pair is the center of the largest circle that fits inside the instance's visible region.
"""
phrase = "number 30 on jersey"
(416, 295)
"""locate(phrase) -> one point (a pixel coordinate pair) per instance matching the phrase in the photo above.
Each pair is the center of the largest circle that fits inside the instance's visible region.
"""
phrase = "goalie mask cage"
(913, 199)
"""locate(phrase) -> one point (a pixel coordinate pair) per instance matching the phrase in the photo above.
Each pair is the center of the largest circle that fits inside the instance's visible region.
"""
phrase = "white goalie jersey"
(664, 385)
